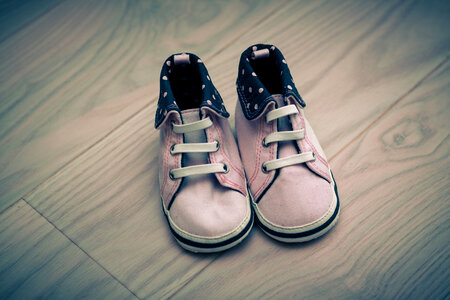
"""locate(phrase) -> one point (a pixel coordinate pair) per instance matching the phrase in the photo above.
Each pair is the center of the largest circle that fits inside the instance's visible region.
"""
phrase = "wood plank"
(73, 75)
(16, 15)
(37, 261)
(354, 55)
(392, 240)
(111, 208)
(107, 199)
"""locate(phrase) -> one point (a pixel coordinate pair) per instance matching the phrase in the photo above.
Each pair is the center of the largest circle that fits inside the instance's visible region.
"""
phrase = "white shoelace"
(281, 136)
(195, 148)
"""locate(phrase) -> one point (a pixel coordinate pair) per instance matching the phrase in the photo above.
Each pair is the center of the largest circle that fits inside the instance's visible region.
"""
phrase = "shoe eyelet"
(264, 169)
(171, 175)
(171, 124)
(226, 168)
(264, 143)
(314, 156)
(217, 145)
(172, 148)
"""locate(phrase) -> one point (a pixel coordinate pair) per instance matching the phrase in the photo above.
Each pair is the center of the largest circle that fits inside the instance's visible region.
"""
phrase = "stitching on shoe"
(226, 156)
(269, 177)
(165, 163)
(240, 188)
(175, 185)
(261, 188)
(258, 155)
(303, 125)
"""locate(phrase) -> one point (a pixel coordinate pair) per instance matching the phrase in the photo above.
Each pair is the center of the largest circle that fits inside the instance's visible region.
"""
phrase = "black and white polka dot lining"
(210, 96)
(253, 95)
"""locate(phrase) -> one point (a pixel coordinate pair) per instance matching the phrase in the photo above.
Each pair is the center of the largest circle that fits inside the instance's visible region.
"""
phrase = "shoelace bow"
(281, 136)
(195, 148)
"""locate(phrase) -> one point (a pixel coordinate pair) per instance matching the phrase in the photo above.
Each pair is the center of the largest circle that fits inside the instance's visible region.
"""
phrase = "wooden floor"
(80, 214)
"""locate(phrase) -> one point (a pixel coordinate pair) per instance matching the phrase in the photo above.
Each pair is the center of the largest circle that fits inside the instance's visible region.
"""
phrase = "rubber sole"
(291, 235)
(214, 247)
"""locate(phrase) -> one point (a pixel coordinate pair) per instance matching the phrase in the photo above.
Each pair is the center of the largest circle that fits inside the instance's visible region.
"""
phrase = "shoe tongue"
(198, 136)
(283, 123)
(287, 148)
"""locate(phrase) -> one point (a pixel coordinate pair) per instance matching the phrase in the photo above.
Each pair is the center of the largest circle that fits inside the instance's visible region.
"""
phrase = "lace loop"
(194, 126)
(281, 112)
(194, 147)
(198, 170)
(281, 136)
(287, 161)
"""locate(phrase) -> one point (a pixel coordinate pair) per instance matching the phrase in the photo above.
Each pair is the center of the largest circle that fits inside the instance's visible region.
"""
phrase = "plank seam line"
(132, 116)
(396, 102)
(414, 87)
(82, 250)
(194, 276)
(11, 205)
(238, 36)
(31, 21)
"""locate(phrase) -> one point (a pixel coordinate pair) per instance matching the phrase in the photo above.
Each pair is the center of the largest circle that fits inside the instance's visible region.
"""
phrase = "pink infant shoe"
(202, 181)
(294, 193)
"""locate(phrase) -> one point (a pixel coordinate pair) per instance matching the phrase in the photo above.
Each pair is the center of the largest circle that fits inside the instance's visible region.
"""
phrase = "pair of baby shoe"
(209, 186)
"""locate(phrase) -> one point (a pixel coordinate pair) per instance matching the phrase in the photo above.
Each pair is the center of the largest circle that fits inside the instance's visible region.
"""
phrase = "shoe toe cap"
(210, 215)
(295, 200)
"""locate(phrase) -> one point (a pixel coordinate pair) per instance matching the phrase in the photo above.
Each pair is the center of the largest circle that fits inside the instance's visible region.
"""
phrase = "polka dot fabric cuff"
(210, 98)
(253, 95)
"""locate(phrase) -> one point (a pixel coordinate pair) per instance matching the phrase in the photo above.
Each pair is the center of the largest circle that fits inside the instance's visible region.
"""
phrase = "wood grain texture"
(392, 240)
(352, 62)
(71, 76)
(359, 55)
(108, 202)
(16, 15)
(37, 261)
